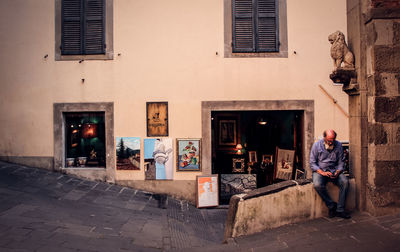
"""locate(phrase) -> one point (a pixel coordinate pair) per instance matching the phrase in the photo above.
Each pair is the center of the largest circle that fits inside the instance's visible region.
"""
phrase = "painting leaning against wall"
(128, 153)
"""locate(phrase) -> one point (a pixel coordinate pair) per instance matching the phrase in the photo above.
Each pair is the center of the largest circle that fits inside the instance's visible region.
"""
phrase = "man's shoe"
(343, 215)
(332, 211)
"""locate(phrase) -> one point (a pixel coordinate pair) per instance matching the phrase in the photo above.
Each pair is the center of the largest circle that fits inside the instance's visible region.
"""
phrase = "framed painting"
(227, 132)
(128, 153)
(157, 119)
(253, 156)
(238, 165)
(158, 161)
(207, 191)
(188, 154)
(284, 164)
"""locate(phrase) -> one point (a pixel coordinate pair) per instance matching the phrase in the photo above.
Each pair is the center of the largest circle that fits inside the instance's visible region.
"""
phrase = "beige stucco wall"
(168, 52)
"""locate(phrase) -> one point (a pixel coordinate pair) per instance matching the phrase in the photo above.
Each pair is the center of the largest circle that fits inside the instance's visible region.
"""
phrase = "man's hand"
(325, 174)
(336, 174)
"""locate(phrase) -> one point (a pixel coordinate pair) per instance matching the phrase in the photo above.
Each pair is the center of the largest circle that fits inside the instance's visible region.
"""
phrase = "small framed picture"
(299, 174)
(188, 154)
(253, 156)
(268, 159)
(238, 165)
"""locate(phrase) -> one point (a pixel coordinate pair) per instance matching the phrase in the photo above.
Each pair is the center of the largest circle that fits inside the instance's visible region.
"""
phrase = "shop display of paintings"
(207, 191)
(128, 153)
(284, 164)
(158, 163)
(188, 154)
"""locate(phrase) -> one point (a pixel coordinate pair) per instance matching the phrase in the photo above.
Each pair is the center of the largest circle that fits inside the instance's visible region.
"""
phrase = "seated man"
(327, 163)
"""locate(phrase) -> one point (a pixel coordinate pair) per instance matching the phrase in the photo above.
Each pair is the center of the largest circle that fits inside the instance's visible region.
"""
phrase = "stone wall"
(374, 37)
(383, 71)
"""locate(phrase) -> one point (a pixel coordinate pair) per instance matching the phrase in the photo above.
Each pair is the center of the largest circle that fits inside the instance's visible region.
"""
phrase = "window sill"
(107, 56)
(282, 54)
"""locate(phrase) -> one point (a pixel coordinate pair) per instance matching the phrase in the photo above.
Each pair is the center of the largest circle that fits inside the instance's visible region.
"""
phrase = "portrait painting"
(207, 191)
(227, 132)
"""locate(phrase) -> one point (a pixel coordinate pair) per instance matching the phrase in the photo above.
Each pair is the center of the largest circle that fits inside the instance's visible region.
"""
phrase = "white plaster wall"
(168, 53)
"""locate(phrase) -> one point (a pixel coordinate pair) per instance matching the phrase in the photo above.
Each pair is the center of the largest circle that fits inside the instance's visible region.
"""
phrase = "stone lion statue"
(340, 52)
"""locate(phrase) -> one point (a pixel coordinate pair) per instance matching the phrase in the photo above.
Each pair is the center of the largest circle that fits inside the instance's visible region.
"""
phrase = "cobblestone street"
(46, 211)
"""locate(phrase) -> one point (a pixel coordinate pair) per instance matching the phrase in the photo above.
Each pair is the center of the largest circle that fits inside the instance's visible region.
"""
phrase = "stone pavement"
(47, 211)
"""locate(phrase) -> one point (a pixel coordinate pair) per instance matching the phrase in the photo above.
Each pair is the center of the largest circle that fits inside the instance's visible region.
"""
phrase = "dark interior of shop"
(244, 148)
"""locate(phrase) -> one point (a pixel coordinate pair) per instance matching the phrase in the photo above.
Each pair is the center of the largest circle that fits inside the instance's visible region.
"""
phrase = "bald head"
(329, 136)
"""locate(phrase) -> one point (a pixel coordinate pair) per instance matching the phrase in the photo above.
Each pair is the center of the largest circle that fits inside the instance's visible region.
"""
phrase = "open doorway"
(244, 147)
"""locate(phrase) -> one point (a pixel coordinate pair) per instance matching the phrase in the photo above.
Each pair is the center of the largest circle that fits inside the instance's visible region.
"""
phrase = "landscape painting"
(128, 153)
(158, 160)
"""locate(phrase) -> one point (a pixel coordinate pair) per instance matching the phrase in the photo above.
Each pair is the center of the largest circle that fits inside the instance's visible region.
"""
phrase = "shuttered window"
(255, 25)
(83, 23)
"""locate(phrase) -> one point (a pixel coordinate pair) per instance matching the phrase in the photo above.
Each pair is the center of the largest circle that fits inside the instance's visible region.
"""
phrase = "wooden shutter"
(267, 26)
(71, 38)
(243, 31)
(83, 23)
(255, 26)
(94, 27)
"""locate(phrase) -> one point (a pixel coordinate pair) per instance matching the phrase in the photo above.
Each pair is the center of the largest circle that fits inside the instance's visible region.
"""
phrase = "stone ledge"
(344, 76)
(279, 204)
(274, 188)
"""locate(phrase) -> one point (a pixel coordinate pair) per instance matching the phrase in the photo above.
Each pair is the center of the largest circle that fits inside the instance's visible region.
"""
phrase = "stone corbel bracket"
(347, 77)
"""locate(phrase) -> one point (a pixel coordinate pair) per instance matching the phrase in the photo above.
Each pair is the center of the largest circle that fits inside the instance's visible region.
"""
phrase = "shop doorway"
(260, 128)
(244, 148)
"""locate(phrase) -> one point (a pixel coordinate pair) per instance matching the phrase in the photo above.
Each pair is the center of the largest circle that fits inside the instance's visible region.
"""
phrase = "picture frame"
(227, 132)
(157, 119)
(268, 159)
(158, 158)
(207, 191)
(284, 164)
(238, 165)
(299, 174)
(252, 156)
(128, 153)
(188, 154)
